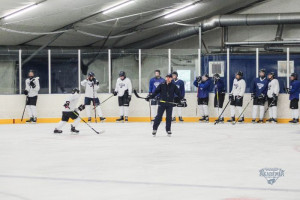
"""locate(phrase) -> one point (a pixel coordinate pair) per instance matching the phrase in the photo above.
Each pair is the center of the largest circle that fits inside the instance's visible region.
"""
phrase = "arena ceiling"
(84, 22)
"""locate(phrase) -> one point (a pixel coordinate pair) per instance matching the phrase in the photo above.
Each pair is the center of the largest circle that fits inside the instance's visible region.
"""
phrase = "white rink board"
(200, 161)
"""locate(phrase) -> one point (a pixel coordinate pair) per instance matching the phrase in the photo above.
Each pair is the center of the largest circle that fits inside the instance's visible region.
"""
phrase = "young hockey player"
(294, 92)
(166, 91)
(203, 84)
(91, 85)
(153, 84)
(236, 96)
(273, 92)
(32, 87)
(123, 90)
(259, 88)
(180, 85)
(70, 111)
(219, 96)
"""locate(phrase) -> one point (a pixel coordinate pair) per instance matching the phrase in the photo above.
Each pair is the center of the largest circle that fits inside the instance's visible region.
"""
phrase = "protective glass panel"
(185, 62)
(153, 59)
(38, 62)
(95, 61)
(9, 72)
(127, 61)
(64, 71)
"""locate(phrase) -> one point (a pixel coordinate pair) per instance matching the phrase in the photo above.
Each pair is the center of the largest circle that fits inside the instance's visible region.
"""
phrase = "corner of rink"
(131, 119)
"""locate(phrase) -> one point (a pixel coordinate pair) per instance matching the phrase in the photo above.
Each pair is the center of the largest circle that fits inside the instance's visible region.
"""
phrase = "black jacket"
(167, 92)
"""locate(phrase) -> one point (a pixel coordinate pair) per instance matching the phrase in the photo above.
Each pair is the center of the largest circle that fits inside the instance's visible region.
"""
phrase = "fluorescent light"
(21, 11)
(118, 6)
(180, 10)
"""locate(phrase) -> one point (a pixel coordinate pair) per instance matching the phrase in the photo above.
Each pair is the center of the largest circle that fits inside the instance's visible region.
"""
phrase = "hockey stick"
(86, 122)
(107, 99)
(95, 111)
(222, 113)
(139, 97)
(243, 111)
(24, 108)
(150, 112)
(269, 107)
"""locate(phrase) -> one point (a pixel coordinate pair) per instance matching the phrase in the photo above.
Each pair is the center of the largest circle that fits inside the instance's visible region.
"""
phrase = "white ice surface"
(200, 161)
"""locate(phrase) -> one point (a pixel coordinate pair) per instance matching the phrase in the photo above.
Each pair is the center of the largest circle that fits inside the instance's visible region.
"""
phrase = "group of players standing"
(163, 96)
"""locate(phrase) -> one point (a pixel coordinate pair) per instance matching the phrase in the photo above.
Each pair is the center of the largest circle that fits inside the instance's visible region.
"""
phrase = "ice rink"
(200, 161)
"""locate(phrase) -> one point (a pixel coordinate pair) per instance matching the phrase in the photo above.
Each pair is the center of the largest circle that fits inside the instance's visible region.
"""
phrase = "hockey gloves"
(25, 92)
(115, 93)
(67, 104)
(81, 107)
(32, 84)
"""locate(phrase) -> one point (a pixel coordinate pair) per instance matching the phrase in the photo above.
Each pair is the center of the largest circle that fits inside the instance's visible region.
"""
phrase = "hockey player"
(272, 94)
(180, 85)
(70, 111)
(236, 96)
(91, 85)
(32, 87)
(259, 88)
(123, 90)
(153, 84)
(203, 84)
(166, 91)
(219, 96)
(294, 92)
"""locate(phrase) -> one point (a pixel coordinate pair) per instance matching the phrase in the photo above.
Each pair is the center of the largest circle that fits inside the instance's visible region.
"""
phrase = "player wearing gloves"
(180, 85)
(272, 94)
(294, 92)
(70, 111)
(91, 85)
(32, 87)
(203, 84)
(166, 91)
(153, 84)
(219, 96)
(259, 88)
(123, 90)
(236, 96)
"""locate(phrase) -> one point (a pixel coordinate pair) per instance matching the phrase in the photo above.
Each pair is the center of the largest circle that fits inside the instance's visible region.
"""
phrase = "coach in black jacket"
(166, 91)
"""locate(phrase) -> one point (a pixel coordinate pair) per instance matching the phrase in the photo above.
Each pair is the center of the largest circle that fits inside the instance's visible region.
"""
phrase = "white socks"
(232, 110)
(60, 125)
(99, 111)
(121, 110)
(205, 108)
(261, 112)
(274, 110)
(201, 111)
(31, 111)
(295, 113)
(179, 111)
(63, 123)
(154, 110)
(126, 111)
(219, 111)
(88, 111)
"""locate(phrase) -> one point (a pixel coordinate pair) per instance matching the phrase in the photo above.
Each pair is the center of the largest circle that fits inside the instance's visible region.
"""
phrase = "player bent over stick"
(166, 91)
(70, 111)
(91, 85)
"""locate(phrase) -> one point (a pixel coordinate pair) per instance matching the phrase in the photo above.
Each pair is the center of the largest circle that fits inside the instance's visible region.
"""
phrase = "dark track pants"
(161, 109)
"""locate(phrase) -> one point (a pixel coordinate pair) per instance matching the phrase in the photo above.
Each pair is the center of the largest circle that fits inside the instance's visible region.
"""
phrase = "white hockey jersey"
(32, 92)
(73, 99)
(238, 87)
(90, 88)
(122, 86)
(273, 88)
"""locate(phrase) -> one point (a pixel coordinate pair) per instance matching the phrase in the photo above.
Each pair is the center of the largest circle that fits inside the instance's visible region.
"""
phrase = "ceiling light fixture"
(180, 10)
(21, 11)
(118, 6)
